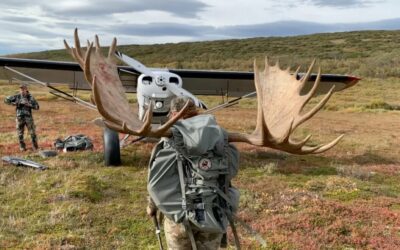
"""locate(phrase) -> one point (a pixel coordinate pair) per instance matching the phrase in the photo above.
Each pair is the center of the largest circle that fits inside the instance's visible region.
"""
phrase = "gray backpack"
(190, 173)
(74, 143)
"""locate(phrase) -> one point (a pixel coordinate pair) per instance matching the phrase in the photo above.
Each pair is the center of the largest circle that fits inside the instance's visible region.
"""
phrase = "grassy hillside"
(366, 53)
(346, 198)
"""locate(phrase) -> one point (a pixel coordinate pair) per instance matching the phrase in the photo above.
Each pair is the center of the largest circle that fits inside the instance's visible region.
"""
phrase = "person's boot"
(35, 145)
(22, 147)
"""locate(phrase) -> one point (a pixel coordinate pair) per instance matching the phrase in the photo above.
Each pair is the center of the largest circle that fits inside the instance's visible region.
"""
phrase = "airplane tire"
(112, 154)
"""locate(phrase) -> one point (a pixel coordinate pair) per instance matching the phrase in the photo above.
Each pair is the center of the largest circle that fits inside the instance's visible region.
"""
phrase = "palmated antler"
(279, 105)
(108, 92)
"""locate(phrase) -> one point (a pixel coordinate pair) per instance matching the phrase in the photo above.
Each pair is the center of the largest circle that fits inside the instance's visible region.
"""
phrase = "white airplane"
(155, 84)
(159, 86)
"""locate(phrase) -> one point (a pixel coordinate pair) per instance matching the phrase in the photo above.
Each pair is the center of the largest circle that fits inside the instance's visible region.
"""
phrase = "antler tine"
(305, 77)
(259, 123)
(145, 129)
(307, 98)
(74, 51)
(315, 86)
(314, 110)
(86, 64)
(77, 57)
(329, 145)
(277, 64)
(97, 43)
(113, 48)
(297, 71)
(77, 43)
(166, 126)
(321, 148)
(266, 63)
(67, 47)
(308, 74)
(301, 143)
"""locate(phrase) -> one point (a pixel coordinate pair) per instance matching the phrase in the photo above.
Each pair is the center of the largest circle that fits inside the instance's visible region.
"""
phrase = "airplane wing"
(236, 84)
(197, 82)
(60, 72)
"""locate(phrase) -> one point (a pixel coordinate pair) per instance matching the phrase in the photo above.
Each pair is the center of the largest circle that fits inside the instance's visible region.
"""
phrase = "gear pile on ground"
(74, 143)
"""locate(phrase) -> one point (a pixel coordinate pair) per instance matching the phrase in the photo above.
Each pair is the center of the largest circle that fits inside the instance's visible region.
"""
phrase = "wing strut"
(55, 91)
(230, 103)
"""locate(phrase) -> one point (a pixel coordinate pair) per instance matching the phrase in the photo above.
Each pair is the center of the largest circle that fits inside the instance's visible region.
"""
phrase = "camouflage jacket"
(24, 104)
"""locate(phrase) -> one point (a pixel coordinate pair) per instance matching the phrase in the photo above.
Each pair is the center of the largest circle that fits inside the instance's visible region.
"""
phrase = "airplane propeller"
(159, 79)
(135, 64)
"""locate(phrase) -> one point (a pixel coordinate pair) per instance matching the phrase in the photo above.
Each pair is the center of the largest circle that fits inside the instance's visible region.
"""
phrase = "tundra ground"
(346, 198)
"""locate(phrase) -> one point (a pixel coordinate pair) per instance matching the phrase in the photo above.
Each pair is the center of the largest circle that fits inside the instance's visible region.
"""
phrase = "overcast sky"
(36, 25)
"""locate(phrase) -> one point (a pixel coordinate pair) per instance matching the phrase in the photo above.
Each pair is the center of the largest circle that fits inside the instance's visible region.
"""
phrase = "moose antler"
(279, 104)
(108, 93)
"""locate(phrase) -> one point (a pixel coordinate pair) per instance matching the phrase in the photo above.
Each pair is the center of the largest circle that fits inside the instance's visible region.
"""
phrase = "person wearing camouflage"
(176, 235)
(178, 239)
(24, 103)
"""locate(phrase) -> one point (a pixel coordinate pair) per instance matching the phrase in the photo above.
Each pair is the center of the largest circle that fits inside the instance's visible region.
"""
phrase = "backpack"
(190, 174)
(74, 143)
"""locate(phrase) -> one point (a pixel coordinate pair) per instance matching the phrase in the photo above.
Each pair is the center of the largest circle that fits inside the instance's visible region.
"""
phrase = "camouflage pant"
(27, 121)
(178, 239)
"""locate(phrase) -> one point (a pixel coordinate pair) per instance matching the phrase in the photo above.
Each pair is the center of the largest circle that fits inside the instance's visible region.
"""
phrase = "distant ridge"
(294, 28)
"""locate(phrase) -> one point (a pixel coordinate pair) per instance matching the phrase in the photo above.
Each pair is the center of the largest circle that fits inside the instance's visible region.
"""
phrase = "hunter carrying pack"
(190, 173)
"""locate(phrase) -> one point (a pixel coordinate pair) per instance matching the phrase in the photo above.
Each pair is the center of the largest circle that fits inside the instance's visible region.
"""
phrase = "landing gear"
(112, 154)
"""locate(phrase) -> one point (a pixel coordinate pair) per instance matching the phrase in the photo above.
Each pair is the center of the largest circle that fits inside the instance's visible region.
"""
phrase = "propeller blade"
(171, 87)
(183, 92)
(134, 64)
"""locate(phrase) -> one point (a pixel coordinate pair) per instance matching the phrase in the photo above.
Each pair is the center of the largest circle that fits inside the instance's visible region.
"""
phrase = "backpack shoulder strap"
(155, 150)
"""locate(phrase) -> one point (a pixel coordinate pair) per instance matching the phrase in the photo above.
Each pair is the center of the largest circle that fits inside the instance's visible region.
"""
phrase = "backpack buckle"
(200, 206)
(184, 205)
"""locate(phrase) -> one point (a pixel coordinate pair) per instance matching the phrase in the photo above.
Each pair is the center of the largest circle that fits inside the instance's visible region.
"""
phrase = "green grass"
(77, 204)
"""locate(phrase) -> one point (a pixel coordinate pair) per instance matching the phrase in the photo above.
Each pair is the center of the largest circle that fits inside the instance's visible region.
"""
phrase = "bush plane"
(154, 87)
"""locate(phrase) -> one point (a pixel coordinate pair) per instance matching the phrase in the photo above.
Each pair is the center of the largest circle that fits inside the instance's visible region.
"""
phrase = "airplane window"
(174, 80)
(147, 80)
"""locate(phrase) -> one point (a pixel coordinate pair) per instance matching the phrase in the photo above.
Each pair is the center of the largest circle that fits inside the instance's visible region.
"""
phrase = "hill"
(363, 53)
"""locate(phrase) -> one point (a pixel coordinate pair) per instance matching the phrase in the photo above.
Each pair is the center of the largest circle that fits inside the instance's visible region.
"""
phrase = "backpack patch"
(205, 164)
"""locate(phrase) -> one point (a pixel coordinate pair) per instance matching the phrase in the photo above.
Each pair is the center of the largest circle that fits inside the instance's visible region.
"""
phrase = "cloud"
(162, 29)
(30, 25)
(338, 4)
(342, 3)
(18, 19)
(87, 8)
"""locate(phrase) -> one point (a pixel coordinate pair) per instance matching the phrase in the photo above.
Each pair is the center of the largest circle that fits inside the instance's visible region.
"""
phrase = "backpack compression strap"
(234, 231)
(185, 222)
